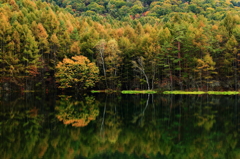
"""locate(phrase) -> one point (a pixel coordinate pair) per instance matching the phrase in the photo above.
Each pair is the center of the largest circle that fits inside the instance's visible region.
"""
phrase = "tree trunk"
(170, 75)
(143, 71)
(179, 64)
(104, 69)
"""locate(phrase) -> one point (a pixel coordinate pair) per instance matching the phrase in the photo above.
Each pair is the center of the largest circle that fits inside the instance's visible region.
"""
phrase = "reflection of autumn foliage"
(75, 122)
(112, 129)
(33, 112)
(206, 121)
(77, 113)
(26, 137)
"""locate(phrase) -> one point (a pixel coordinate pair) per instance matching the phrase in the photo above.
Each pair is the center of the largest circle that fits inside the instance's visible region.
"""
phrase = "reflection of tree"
(206, 120)
(211, 134)
(77, 113)
(140, 136)
(140, 116)
(28, 131)
(18, 128)
(27, 136)
(110, 121)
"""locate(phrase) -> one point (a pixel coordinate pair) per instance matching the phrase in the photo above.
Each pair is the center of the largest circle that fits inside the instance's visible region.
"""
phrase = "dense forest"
(117, 44)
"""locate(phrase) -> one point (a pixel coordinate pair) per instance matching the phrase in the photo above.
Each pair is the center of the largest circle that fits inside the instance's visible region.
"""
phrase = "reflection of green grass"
(201, 92)
(183, 92)
(95, 91)
(138, 92)
(104, 91)
(99, 91)
(29, 91)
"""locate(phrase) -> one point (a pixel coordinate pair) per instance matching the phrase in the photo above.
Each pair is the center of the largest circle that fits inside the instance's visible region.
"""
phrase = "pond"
(95, 126)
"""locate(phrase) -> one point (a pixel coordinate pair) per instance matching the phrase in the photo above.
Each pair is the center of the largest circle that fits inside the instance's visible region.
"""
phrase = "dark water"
(100, 126)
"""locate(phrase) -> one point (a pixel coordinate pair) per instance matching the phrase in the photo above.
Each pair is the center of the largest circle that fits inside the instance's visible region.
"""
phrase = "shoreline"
(167, 92)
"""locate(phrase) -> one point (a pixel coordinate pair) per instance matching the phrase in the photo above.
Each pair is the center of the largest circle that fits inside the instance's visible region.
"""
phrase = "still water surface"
(101, 126)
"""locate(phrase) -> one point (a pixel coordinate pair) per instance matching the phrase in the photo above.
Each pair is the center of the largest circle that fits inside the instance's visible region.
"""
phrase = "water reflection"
(75, 112)
(113, 126)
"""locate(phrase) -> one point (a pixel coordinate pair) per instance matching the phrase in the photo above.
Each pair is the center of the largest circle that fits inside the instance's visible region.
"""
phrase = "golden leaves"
(42, 33)
(214, 27)
(69, 26)
(77, 71)
(75, 48)
(219, 38)
(54, 39)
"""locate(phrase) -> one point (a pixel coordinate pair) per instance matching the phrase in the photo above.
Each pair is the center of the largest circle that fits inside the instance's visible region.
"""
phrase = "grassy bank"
(167, 92)
(183, 92)
(202, 92)
(125, 91)
(223, 93)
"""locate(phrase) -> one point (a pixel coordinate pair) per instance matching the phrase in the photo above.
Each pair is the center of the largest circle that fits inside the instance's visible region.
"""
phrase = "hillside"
(168, 45)
(119, 9)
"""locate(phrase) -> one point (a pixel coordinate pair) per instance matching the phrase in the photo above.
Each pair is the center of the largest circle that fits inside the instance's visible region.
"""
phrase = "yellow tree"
(113, 62)
(205, 69)
(108, 56)
(76, 72)
(146, 59)
(230, 61)
(5, 38)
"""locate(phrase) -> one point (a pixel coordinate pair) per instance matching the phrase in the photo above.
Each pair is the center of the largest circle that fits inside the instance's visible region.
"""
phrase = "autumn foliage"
(77, 71)
(170, 45)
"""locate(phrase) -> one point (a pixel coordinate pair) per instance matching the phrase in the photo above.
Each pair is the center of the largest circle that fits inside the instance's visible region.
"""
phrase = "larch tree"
(205, 69)
(30, 59)
(166, 56)
(54, 45)
(6, 48)
(230, 62)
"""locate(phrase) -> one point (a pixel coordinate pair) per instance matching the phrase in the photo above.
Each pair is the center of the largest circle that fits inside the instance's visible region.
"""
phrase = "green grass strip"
(183, 92)
(138, 92)
(202, 92)
(223, 93)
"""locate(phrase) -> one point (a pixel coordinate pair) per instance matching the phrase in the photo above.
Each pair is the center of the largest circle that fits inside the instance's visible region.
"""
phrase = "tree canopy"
(188, 45)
